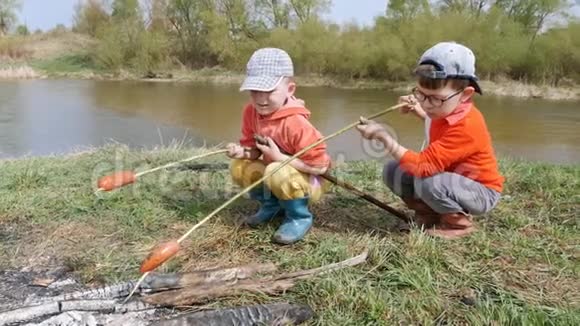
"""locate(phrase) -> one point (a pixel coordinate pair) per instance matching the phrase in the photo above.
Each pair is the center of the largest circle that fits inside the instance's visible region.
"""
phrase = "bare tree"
(8, 16)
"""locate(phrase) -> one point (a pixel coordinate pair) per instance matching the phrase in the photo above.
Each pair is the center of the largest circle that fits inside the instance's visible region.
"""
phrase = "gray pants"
(444, 192)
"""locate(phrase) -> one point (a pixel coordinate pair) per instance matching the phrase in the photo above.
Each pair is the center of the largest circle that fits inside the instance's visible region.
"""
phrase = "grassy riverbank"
(522, 266)
(68, 55)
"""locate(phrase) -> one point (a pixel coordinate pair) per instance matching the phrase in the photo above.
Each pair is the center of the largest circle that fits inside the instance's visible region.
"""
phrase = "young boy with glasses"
(456, 175)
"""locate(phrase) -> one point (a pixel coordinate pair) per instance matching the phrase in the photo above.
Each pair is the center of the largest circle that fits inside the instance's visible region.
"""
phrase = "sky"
(46, 14)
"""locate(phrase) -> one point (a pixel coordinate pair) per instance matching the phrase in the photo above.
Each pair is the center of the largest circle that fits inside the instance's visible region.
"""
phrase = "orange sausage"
(116, 180)
(159, 255)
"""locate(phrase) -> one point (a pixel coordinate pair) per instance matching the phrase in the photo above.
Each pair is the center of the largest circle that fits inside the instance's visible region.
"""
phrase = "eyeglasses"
(421, 97)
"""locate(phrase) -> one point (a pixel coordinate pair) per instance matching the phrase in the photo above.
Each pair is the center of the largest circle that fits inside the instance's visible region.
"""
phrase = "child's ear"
(291, 88)
(467, 94)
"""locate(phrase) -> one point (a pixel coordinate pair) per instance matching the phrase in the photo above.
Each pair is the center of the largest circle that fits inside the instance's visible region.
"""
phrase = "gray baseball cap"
(451, 60)
(266, 69)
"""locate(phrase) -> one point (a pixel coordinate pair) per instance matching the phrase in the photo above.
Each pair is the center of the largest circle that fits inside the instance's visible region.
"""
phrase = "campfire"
(54, 298)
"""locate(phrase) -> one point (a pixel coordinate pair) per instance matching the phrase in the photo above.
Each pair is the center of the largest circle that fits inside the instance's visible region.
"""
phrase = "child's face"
(269, 102)
(441, 102)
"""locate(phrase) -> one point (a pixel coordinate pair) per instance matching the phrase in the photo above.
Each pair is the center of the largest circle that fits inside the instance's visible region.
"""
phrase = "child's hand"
(370, 129)
(412, 105)
(271, 150)
(235, 151)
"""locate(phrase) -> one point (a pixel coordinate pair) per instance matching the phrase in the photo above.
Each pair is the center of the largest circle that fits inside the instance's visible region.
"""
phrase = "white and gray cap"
(451, 60)
(266, 69)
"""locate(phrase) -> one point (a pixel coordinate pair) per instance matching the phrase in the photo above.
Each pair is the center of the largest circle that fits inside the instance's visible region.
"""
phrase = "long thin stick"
(326, 268)
(137, 175)
(136, 287)
(366, 196)
(182, 161)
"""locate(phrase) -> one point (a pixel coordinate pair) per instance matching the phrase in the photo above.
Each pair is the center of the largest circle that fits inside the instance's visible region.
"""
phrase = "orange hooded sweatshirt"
(289, 128)
(458, 143)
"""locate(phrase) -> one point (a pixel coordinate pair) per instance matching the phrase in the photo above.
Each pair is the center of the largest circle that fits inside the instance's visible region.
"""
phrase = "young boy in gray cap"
(456, 175)
(275, 114)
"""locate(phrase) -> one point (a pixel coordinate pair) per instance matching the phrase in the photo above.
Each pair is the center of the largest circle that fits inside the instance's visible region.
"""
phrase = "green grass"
(521, 267)
(63, 65)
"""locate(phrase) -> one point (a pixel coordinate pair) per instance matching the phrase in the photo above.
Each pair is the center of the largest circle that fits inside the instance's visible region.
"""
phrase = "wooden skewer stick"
(366, 196)
(196, 157)
(123, 178)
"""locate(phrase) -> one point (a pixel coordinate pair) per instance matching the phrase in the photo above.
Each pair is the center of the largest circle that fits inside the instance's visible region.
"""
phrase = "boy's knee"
(390, 171)
(430, 188)
(237, 165)
(275, 165)
(287, 183)
(246, 172)
(236, 171)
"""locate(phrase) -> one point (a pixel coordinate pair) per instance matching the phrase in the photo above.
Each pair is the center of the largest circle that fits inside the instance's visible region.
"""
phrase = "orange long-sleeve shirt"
(289, 128)
(458, 143)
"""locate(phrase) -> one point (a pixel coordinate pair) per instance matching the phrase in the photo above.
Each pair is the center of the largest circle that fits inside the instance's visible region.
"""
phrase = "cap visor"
(260, 83)
(476, 86)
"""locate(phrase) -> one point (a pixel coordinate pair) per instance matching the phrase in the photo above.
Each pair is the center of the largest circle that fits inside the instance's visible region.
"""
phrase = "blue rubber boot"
(270, 207)
(297, 223)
